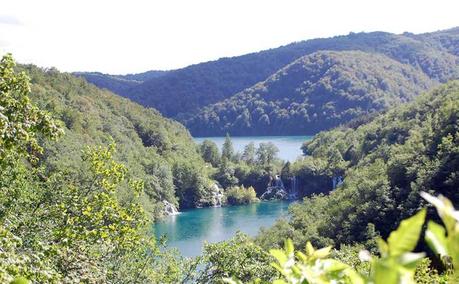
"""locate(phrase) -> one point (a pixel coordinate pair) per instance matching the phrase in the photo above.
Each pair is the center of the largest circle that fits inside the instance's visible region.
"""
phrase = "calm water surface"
(289, 146)
(188, 230)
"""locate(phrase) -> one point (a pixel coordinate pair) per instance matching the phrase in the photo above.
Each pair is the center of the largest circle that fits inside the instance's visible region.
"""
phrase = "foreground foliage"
(397, 263)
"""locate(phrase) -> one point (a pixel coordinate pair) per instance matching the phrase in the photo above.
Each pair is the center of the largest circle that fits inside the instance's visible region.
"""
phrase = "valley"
(336, 159)
(300, 88)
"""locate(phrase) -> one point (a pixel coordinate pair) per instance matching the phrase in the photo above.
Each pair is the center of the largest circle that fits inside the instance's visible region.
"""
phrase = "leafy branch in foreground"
(444, 241)
(397, 262)
(20, 120)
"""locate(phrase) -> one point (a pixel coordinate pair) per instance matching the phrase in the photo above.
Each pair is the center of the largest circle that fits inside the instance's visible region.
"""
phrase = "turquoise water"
(289, 146)
(188, 230)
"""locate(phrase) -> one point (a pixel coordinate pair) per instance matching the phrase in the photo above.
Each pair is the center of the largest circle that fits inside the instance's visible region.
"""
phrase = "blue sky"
(138, 35)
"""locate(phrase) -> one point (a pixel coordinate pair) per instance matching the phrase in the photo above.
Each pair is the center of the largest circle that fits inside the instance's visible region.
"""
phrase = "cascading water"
(293, 192)
(275, 190)
(337, 181)
(217, 195)
(169, 208)
(278, 182)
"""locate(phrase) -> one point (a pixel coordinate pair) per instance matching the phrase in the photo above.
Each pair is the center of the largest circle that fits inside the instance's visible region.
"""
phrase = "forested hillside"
(118, 83)
(70, 211)
(385, 164)
(157, 150)
(184, 92)
(314, 93)
(448, 39)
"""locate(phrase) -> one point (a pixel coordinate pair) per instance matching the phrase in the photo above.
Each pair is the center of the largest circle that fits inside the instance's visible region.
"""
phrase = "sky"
(120, 37)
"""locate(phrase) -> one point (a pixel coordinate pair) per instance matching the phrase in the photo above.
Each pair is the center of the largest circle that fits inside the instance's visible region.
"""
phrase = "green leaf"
(301, 256)
(436, 238)
(278, 267)
(323, 252)
(382, 246)
(410, 260)
(405, 238)
(20, 280)
(444, 208)
(354, 276)
(279, 255)
(309, 248)
(453, 249)
(289, 249)
(384, 273)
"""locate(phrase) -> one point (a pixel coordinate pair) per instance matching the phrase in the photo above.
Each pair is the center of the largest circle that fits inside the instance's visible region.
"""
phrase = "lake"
(188, 230)
(289, 146)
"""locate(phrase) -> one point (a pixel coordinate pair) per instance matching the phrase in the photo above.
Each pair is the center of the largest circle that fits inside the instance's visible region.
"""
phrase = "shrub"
(241, 195)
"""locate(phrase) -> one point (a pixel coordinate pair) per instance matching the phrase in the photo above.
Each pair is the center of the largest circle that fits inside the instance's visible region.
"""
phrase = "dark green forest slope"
(385, 164)
(314, 93)
(118, 83)
(157, 150)
(183, 92)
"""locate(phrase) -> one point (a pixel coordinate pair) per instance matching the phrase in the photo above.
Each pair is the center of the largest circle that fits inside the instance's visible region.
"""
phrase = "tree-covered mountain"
(184, 92)
(316, 92)
(119, 83)
(157, 150)
(447, 39)
(384, 164)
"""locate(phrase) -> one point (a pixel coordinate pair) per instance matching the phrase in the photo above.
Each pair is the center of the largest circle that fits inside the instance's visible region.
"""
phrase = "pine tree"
(228, 149)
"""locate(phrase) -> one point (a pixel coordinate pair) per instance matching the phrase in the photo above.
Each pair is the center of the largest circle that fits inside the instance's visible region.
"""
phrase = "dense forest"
(182, 93)
(119, 83)
(385, 164)
(157, 150)
(316, 92)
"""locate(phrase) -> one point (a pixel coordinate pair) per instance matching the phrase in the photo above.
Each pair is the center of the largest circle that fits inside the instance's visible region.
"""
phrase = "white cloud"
(138, 35)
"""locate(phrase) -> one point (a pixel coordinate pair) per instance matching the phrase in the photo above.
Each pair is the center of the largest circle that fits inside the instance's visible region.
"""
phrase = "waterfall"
(293, 192)
(337, 181)
(340, 181)
(217, 195)
(275, 190)
(169, 208)
(278, 182)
